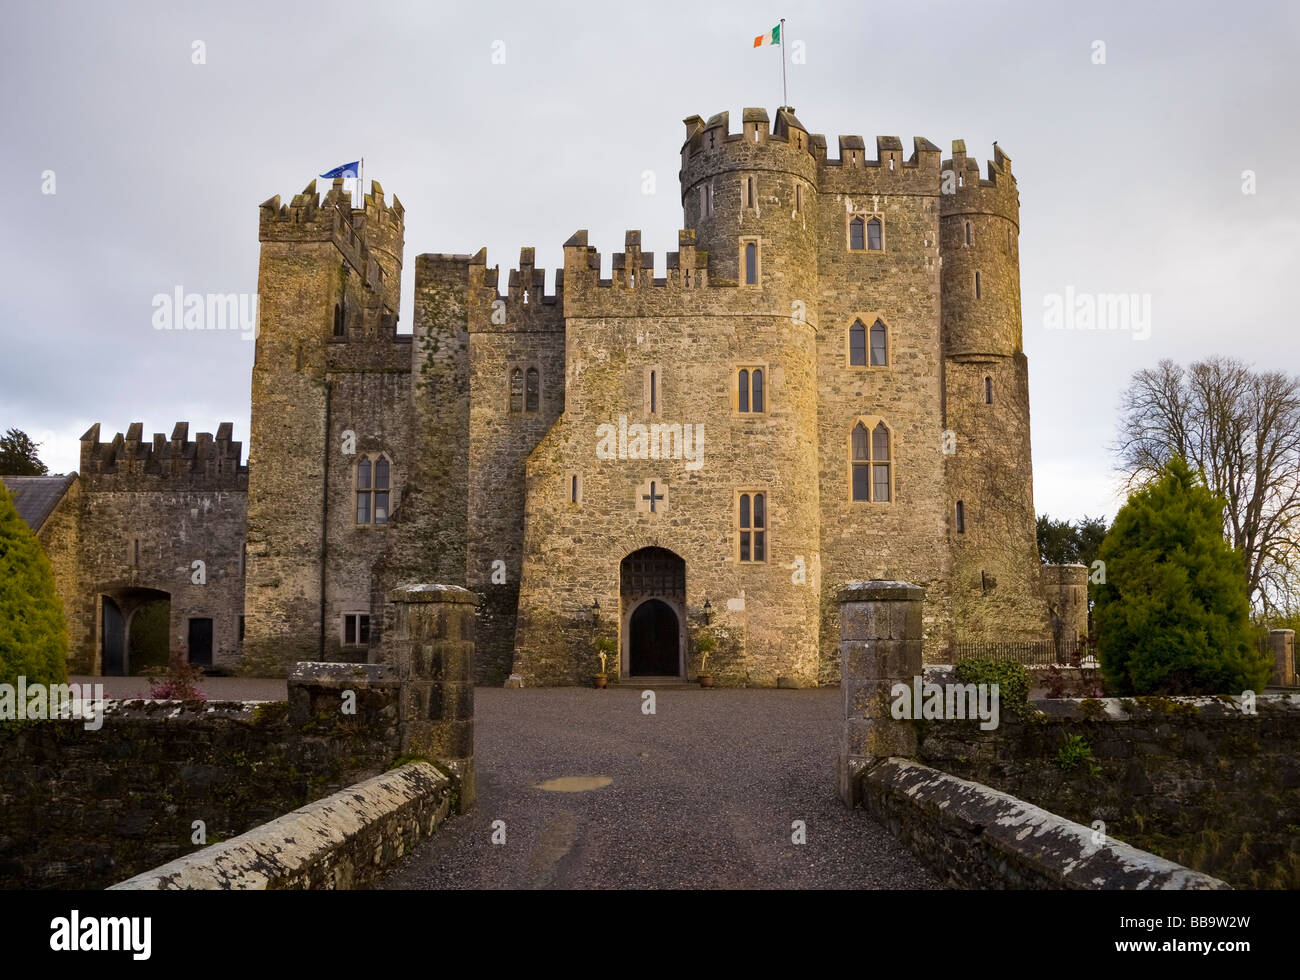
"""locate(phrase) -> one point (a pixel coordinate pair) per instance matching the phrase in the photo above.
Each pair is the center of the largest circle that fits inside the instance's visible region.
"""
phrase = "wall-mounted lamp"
(595, 611)
(708, 611)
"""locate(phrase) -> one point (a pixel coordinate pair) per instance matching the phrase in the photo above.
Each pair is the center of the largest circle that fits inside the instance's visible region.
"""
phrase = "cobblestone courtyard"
(704, 793)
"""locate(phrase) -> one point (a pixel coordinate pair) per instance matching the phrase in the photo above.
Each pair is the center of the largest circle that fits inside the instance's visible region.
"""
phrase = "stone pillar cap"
(1281, 631)
(879, 589)
(432, 593)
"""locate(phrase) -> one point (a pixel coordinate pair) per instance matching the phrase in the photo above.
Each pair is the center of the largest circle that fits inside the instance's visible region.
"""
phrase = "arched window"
(875, 239)
(751, 263)
(879, 354)
(752, 539)
(870, 462)
(857, 234)
(749, 390)
(756, 381)
(988, 390)
(517, 390)
(374, 489)
(961, 517)
(338, 320)
(742, 393)
(857, 343)
(533, 390)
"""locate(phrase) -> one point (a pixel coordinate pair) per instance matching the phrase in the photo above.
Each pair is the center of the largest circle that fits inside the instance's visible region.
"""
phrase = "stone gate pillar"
(1283, 656)
(880, 646)
(432, 650)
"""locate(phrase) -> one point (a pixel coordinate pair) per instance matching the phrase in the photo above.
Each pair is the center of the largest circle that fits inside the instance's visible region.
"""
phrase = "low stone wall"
(84, 808)
(977, 837)
(1197, 780)
(343, 841)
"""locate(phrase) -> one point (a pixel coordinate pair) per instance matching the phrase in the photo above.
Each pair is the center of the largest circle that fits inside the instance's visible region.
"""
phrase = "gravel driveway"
(701, 794)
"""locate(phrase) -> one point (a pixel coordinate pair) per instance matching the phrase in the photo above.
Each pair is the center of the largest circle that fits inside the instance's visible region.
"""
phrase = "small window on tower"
(988, 390)
(798, 197)
(752, 530)
(749, 390)
(517, 390)
(961, 517)
(533, 390)
(338, 320)
(978, 291)
(875, 240)
(751, 263)
(968, 233)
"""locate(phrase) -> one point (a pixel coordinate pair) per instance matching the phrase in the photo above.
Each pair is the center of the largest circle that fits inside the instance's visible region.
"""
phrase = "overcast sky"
(1130, 171)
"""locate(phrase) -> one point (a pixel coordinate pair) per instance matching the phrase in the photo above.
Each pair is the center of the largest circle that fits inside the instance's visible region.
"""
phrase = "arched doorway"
(654, 647)
(134, 629)
(113, 631)
(653, 591)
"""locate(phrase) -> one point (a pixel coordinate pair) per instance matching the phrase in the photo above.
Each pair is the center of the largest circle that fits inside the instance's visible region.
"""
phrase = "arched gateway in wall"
(653, 593)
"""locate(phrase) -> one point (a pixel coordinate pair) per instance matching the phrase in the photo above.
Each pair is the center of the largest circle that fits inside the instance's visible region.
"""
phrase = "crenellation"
(129, 462)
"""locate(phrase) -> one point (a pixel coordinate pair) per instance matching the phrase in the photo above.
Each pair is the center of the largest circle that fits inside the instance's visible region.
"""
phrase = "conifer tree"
(1173, 616)
(33, 636)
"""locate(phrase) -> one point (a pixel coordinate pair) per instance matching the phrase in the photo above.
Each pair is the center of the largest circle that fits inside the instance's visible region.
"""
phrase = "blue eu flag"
(344, 170)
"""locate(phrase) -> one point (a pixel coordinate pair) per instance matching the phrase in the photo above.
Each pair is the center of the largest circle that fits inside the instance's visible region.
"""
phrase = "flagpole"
(785, 98)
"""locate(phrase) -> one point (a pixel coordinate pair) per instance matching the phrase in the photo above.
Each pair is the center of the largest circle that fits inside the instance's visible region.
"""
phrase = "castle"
(825, 382)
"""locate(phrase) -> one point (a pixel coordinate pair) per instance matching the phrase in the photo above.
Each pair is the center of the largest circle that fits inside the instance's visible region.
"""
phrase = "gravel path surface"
(701, 794)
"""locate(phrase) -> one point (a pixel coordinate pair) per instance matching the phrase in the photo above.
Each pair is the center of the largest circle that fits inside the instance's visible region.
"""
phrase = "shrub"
(1075, 751)
(180, 683)
(1173, 616)
(33, 636)
(1012, 680)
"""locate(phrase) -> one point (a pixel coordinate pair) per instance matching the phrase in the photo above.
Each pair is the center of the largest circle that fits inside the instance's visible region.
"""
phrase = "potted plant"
(704, 646)
(604, 649)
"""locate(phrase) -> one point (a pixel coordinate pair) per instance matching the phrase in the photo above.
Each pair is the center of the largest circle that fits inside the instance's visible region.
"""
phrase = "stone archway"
(118, 647)
(652, 588)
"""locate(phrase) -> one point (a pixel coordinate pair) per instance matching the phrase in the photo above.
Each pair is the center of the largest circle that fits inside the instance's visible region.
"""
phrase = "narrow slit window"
(751, 263)
(798, 198)
(573, 489)
(338, 320)
(961, 517)
(978, 291)
(968, 233)
(654, 395)
(988, 390)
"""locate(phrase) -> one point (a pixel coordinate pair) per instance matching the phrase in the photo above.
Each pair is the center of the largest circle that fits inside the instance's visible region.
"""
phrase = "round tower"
(758, 185)
(996, 590)
(751, 198)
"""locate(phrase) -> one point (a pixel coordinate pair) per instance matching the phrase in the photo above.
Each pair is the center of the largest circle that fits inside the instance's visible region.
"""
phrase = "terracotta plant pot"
(599, 680)
(706, 680)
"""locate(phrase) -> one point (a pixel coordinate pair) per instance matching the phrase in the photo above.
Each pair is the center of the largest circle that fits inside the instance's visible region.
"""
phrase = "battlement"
(755, 127)
(701, 137)
(966, 190)
(354, 231)
(127, 462)
(687, 268)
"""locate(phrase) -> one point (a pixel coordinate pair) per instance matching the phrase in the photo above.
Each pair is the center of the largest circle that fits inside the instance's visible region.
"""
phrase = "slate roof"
(35, 497)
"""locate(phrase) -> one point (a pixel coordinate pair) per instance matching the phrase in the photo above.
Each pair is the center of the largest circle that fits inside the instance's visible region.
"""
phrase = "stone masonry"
(652, 456)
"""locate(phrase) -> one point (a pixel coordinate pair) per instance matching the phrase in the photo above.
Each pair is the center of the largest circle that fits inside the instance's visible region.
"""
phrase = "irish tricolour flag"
(771, 37)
